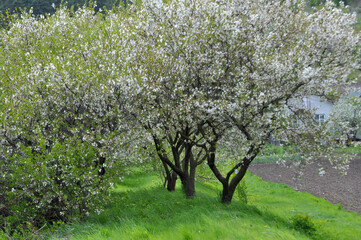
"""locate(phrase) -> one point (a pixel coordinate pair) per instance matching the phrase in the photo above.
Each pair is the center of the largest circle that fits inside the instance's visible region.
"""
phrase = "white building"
(323, 108)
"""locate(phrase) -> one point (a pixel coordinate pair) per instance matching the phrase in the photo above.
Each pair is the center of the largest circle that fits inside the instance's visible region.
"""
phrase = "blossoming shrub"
(63, 139)
(51, 185)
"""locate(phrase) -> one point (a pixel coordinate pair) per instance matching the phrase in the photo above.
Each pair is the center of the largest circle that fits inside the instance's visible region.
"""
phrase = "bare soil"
(336, 188)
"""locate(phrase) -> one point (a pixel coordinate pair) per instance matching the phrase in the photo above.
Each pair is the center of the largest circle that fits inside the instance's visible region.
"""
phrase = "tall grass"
(143, 209)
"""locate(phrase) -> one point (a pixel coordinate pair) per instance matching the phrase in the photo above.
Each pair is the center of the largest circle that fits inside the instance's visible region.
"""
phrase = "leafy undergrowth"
(143, 209)
(272, 153)
(351, 149)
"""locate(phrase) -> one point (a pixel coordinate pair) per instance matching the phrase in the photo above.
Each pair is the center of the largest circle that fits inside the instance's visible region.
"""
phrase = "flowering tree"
(205, 74)
(62, 132)
(161, 83)
(346, 118)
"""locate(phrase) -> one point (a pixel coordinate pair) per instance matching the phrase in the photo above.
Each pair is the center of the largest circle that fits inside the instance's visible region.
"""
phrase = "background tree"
(345, 121)
(44, 6)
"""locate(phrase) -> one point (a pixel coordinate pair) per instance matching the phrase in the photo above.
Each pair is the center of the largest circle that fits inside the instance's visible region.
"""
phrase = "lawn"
(142, 209)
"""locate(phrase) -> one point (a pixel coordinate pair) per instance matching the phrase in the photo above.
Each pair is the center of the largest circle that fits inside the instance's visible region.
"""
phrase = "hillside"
(143, 209)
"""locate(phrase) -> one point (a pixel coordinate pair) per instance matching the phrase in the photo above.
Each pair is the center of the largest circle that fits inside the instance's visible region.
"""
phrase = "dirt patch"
(333, 187)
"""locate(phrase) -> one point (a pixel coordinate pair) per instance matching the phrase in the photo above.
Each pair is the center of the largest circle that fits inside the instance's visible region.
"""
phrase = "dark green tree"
(45, 6)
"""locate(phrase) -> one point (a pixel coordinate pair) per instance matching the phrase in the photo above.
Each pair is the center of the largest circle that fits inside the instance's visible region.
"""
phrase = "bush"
(242, 191)
(61, 130)
(303, 223)
(60, 184)
(271, 150)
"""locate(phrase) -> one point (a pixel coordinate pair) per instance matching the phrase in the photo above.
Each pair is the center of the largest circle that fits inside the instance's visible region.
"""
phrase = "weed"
(242, 191)
(187, 236)
(339, 206)
(303, 223)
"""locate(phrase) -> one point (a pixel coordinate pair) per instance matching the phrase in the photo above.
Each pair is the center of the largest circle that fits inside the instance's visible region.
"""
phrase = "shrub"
(242, 191)
(46, 186)
(303, 223)
(270, 150)
(61, 130)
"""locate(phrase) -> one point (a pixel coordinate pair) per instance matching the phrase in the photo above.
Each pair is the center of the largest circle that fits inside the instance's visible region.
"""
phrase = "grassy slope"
(142, 209)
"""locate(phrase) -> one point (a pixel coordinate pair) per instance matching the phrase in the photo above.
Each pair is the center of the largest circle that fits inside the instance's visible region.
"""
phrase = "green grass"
(272, 153)
(143, 209)
(350, 149)
(274, 158)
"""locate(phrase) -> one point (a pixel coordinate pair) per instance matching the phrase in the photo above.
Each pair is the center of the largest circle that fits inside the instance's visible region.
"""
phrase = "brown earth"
(333, 187)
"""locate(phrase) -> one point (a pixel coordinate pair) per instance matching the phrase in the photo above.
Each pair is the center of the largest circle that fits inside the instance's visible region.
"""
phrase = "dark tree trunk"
(229, 184)
(230, 187)
(227, 193)
(189, 187)
(227, 198)
(189, 170)
(170, 178)
(171, 181)
(185, 168)
(100, 162)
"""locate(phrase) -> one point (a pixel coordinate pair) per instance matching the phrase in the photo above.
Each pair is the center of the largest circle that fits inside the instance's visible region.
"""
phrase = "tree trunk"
(227, 193)
(171, 181)
(188, 180)
(189, 187)
(230, 187)
(185, 169)
(101, 161)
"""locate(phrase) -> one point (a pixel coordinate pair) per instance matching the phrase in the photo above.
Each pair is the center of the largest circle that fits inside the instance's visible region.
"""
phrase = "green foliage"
(10, 10)
(7, 17)
(242, 191)
(273, 153)
(60, 184)
(355, 76)
(350, 149)
(271, 149)
(56, 133)
(339, 206)
(303, 223)
(45, 6)
(333, 96)
(315, 3)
